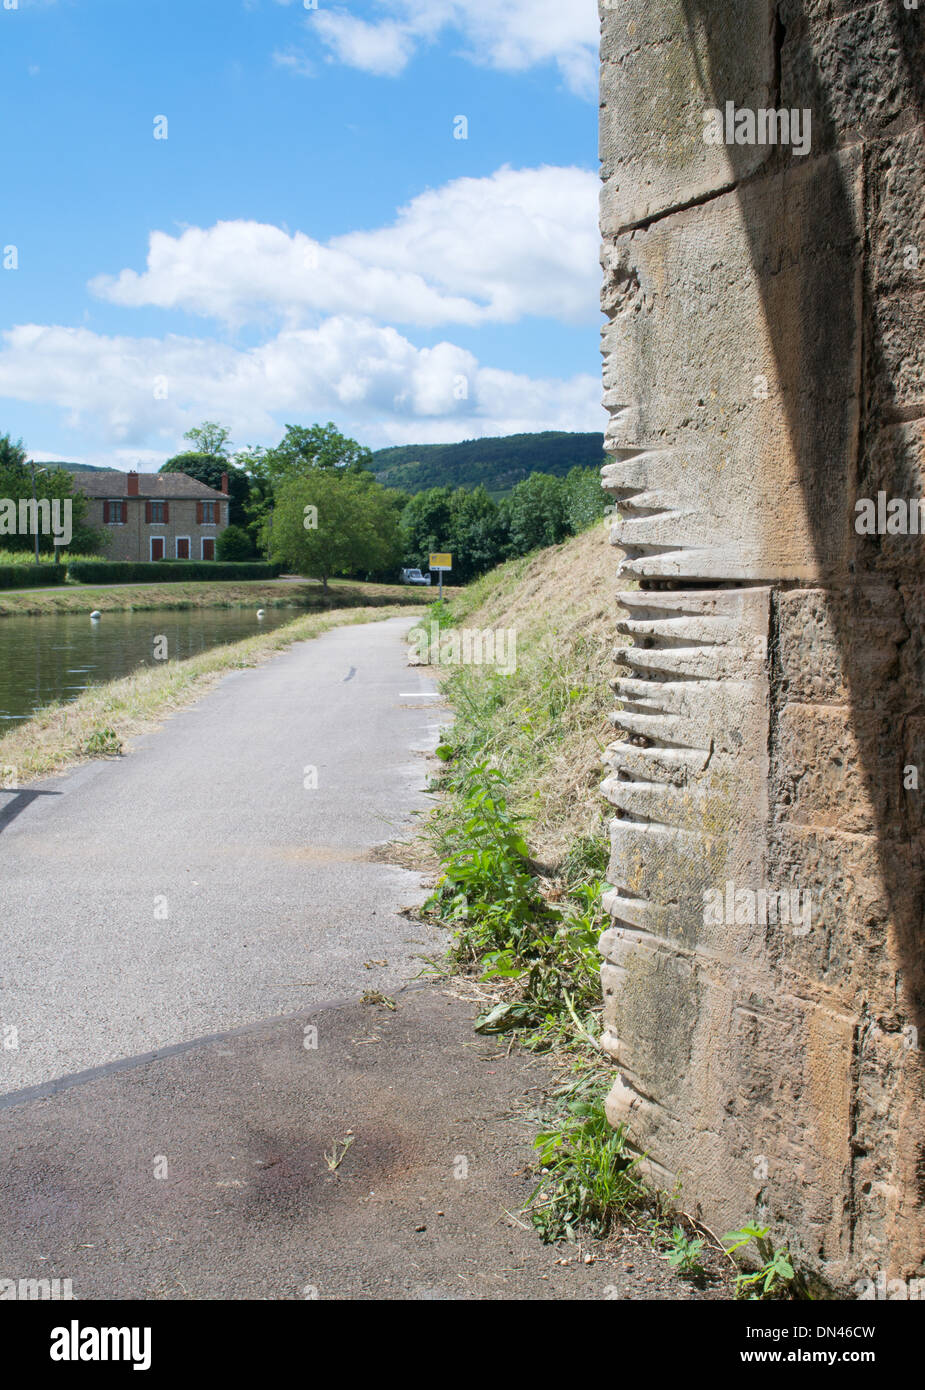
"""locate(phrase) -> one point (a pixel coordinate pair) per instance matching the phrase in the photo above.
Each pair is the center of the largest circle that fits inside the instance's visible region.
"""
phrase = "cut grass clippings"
(103, 720)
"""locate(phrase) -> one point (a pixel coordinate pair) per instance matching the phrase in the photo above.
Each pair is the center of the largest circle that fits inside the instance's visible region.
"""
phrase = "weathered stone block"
(660, 64)
(858, 72)
(822, 774)
(821, 636)
(729, 294)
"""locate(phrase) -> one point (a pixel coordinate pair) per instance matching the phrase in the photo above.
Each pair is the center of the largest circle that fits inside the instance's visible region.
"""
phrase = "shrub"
(168, 571)
(31, 576)
(234, 544)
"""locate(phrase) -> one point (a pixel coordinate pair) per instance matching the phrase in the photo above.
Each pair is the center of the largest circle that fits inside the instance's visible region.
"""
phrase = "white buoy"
(96, 615)
(260, 613)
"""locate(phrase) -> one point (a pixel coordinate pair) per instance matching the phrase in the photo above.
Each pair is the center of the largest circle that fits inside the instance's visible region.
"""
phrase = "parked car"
(414, 577)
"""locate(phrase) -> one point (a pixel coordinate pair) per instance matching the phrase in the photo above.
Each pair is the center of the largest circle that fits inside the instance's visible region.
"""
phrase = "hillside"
(498, 462)
(545, 726)
(76, 467)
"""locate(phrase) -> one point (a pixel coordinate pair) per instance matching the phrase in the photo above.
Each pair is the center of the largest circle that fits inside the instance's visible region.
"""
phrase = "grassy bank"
(521, 834)
(103, 721)
(274, 593)
(544, 726)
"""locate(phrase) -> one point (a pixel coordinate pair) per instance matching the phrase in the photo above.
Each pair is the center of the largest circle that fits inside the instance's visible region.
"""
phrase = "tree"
(208, 469)
(477, 533)
(426, 525)
(51, 483)
(585, 498)
(12, 455)
(316, 446)
(234, 544)
(535, 513)
(210, 438)
(327, 524)
(258, 505)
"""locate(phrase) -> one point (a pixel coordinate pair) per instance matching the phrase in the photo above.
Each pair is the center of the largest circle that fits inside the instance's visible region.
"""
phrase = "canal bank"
(270, 593)
(104, 719)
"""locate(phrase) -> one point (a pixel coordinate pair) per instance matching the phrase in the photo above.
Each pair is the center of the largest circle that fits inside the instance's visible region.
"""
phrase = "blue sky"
(311, 240)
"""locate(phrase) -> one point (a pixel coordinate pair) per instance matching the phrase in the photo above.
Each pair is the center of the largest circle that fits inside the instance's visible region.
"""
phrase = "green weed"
(588, 1180)
(775, 1274)
(684, 1254)
(104, 743)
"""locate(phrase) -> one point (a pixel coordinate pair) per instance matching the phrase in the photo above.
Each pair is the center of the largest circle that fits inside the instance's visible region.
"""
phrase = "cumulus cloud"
(382, 48)
(510, 36)
(519, 242)
(374, 381)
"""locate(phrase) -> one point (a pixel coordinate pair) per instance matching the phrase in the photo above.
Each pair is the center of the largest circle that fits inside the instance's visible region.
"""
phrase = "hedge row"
(168, 571)
(31, 576)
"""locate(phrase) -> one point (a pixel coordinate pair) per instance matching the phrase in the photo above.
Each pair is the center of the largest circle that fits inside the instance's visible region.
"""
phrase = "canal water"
(56, 656)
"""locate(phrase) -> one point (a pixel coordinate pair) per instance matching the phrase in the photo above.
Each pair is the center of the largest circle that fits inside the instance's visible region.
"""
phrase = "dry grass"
(62, 735)
(546, 724)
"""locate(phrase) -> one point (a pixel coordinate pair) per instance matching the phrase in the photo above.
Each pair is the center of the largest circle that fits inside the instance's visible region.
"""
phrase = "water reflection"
(56, 656)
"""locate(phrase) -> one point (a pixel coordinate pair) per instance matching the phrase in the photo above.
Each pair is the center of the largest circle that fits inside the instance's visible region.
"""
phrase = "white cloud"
(383, 48)
(370, 378)
(511, 35)
(296, 62)
(520, 242)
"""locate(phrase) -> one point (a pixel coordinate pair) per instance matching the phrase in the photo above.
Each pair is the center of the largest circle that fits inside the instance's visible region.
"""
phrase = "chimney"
(225, 484)
(132, 489)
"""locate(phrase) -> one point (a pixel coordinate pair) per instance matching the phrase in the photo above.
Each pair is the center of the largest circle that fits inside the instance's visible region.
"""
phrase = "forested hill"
(77, 467)
(498, 462)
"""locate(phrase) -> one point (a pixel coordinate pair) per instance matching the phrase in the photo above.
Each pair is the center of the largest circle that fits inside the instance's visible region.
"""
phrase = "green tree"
(208, 469)
(427, 525)
(535, 513)
(210, 438)
(585, 499)
(259, 501)
(234, 543)
(477, 533)
(326, 524)
(16, 482)
(12, 454)
(315, 446)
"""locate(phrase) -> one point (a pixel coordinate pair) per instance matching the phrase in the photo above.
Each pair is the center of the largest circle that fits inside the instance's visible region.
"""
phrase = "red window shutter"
(105, 513)
(198, 513)
(148, 512)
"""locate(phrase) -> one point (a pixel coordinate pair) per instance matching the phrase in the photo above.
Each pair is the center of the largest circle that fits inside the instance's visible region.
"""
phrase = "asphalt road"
(204, 881)
(200, 1105)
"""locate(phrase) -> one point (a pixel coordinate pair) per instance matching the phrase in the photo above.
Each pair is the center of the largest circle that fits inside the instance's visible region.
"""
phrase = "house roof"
(167, 486)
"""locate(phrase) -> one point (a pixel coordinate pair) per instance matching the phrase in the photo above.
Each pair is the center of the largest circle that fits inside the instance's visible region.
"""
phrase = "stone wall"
(131, 539)
(764, 368)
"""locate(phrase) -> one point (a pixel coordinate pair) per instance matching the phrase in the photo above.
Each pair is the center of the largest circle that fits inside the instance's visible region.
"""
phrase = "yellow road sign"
(441, 560)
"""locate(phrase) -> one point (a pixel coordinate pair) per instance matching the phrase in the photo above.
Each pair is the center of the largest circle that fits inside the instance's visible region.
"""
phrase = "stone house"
(155, 516)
